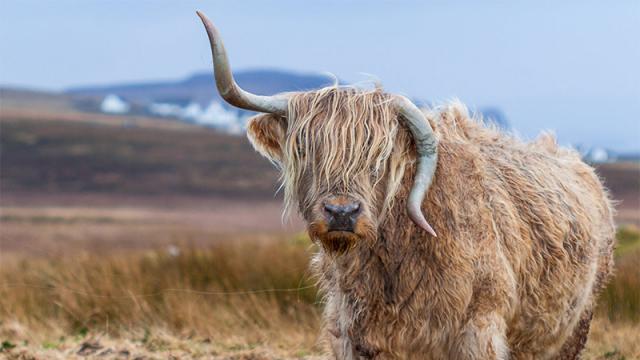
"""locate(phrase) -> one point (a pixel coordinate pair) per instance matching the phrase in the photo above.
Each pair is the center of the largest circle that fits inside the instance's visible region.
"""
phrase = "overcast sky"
(568, 66)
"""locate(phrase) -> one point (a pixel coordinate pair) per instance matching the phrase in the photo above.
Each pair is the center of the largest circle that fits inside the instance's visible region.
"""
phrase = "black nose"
(342, 217)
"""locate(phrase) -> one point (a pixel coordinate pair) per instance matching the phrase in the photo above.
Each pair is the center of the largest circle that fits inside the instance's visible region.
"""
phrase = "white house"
(112, 104)
(215, 115)
(165, 109)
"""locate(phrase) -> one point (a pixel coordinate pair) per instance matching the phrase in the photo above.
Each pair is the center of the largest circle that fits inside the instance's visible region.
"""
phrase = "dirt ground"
(55, 225)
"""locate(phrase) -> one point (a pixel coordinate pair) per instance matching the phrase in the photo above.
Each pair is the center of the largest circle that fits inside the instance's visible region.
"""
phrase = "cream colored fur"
(525, 233)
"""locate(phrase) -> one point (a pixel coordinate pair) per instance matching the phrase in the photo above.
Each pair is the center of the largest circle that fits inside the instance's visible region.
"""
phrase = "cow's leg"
(483, 337)
(576, 342)
(338, 344)
(342, 347)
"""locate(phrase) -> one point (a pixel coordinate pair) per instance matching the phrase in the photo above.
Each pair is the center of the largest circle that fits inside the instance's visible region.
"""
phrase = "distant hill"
(200, 88)
(29, 98)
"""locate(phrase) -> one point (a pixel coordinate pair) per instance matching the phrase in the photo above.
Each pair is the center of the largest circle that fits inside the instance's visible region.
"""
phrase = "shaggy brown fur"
(525, 232)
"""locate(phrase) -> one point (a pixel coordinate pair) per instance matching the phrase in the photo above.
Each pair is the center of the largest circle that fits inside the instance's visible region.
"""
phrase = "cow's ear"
(266, 132)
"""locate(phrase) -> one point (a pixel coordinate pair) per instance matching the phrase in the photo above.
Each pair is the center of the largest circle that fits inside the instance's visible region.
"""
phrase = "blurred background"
(136, 219)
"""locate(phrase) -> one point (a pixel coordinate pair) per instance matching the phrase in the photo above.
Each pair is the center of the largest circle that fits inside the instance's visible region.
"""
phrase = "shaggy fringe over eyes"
(343, 140)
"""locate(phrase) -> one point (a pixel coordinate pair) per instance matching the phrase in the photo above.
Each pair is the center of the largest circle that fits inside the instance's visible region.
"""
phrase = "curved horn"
(427, 147)
(229, 90)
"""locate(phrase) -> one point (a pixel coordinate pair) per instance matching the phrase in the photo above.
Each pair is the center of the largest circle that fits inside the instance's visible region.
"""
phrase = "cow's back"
(553, 223)
(561, 250)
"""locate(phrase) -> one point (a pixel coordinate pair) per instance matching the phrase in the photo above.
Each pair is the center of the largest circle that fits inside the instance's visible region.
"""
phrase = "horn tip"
(201, 15)
(429, 229)
(416, 216)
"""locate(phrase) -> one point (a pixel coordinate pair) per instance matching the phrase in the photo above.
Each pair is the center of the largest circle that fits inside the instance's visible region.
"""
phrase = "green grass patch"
(628, 240)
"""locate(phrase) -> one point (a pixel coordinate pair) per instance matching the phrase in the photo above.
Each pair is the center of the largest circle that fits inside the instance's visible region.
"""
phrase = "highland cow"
(517, 245)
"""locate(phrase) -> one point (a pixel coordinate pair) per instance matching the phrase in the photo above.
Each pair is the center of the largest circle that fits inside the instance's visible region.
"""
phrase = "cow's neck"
(384, 272)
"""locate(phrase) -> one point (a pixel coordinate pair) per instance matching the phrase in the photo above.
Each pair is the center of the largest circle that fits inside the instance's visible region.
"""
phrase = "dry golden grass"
(228, 299)
(621, 300)
(615, 329)
(613, 340)
(119, 293)
(236, 296)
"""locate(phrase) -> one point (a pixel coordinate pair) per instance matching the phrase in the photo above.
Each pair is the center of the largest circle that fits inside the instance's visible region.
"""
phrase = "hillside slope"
(52, 156)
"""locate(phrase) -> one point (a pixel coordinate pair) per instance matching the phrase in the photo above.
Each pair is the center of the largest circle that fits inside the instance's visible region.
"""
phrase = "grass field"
(247, 297)
(231, 296)
(124, 238)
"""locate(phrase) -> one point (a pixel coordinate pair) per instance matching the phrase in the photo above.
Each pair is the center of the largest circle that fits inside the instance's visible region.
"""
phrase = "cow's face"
(339, 149)
(342, 155)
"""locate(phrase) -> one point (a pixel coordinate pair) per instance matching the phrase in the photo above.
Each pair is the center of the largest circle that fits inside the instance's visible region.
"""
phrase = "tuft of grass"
(6, 345)
(628, 240)
(612, 340)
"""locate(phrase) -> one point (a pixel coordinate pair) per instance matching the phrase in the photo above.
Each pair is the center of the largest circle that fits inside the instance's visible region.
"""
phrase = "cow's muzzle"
(341, 213)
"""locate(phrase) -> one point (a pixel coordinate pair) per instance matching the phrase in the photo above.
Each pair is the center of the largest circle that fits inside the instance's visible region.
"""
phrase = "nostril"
(332, 209)
(355, 209)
